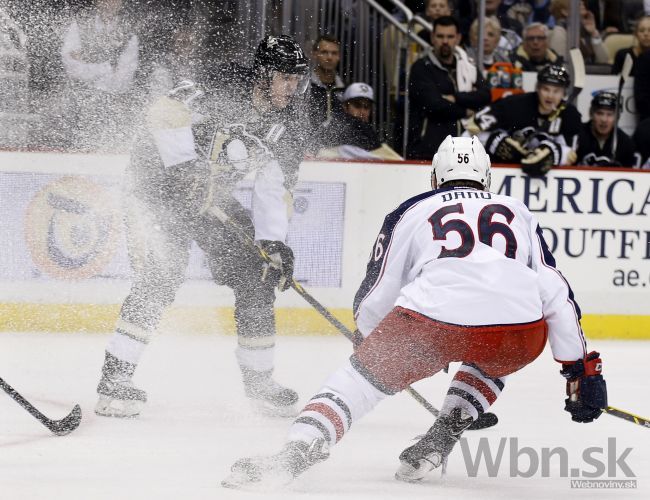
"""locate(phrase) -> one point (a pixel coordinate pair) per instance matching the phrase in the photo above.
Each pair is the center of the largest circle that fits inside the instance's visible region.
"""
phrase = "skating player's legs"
(158, 251)
(489, 354)
(238, 266)
(393, 356)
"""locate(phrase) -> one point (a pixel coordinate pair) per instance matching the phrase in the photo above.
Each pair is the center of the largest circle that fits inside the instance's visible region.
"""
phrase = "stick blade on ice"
(67, 424)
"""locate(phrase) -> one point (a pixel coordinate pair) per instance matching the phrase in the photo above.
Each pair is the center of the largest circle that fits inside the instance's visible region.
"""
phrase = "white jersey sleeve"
(561, 312)
(387, 270)
(270, 211)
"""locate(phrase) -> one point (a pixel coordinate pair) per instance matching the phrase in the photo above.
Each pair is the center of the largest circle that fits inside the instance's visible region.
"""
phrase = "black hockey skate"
(274, 471)
(268, 396)
(117, 395)
(432, 450)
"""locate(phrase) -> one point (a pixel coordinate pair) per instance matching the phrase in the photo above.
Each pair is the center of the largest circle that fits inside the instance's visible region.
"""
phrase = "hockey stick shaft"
(630, 417)
(345, 331)
(58, 427)
(625, 74)
(578, 73)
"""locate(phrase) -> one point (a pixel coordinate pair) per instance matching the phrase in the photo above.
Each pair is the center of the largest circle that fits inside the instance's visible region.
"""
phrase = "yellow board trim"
(28, 317)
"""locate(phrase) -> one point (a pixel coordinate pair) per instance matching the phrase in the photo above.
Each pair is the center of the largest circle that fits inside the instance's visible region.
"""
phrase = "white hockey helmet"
(462, 158)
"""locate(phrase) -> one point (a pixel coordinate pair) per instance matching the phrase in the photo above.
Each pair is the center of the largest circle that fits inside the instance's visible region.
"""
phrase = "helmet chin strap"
(262, 95)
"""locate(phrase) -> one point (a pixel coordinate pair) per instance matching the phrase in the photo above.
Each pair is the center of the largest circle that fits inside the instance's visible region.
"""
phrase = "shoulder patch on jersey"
(168, 113)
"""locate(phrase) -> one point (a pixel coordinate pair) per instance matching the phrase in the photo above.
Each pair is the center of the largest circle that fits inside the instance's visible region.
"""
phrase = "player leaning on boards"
(195, 147)
(601, 142)
(457, 274)
(537, 129)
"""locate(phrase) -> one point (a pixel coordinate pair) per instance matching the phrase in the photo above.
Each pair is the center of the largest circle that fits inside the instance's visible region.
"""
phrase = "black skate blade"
(484, 421)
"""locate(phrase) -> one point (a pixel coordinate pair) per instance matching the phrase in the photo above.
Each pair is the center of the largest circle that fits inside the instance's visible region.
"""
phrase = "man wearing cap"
(351, 134)
(358, 99)
(597, 144)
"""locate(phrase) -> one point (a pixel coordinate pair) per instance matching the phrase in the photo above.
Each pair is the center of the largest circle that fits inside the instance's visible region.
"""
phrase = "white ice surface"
(198, 422)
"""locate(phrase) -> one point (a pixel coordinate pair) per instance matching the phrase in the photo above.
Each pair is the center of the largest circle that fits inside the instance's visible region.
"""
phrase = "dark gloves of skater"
(506, 149)
(279, 268)
(538, 162)
(585, 387)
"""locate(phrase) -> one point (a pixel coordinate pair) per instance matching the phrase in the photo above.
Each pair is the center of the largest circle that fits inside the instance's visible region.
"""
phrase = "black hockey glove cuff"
(504, 148)
(585, 387)
(540, 160)
(278, 269)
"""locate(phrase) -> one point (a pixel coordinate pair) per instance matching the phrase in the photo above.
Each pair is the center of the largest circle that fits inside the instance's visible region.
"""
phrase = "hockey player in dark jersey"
(196, 145)
(537, 129)
(597, 139)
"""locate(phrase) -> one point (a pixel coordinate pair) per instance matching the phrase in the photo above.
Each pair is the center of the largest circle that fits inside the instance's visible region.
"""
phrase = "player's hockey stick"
(59, 427)
(630, 417)
(579, 74)
(625, 74)
(489, 418)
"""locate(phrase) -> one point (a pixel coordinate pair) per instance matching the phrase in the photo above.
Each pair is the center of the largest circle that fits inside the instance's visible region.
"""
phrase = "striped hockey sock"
(346, 397)
(326, 415)
(472, 390)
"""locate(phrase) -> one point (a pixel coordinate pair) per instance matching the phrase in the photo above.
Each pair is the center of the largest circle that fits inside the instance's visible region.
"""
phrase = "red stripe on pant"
(330, 415)
(477, 384)
(407, 346)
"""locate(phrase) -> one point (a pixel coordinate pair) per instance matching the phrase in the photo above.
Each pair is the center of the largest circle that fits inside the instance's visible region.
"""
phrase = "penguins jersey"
(519, 114)
(206, 141)
(594, 152)
(471, 258)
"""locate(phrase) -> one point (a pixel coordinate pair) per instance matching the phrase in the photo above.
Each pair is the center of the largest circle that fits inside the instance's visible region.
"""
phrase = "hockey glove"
(279, 267)
(506, 149)
(585, 387)
(538, 162)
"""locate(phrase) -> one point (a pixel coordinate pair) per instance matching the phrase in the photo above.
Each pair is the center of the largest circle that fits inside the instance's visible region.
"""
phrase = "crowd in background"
(75, 74)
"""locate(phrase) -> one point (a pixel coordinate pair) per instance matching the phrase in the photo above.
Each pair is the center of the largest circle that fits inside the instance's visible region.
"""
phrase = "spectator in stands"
(642, 140)
(491, 52)
(642, 85)
(351, 134)
(180, 63)
(444, 88)
(326, 84)
(591, 44)
(641, 44)
(510, 27)
(14, 83)
(534, 53)
(433, 9)
(437, 8)
(596, 140)
(527, 11)
(100, 57)
(608, 15)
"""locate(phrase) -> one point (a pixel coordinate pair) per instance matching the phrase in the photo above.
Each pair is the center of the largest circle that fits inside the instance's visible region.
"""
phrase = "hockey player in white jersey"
(456, 274)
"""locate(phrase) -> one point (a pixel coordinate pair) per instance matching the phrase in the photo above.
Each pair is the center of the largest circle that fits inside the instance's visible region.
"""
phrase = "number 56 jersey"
(472, 258)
